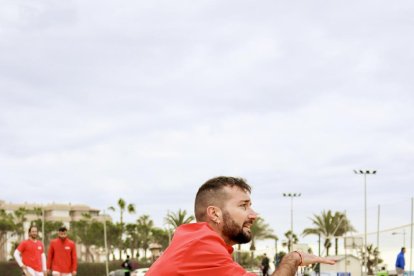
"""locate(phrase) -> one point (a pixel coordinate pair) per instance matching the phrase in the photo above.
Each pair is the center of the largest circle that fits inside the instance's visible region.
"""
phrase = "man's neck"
(218, 230)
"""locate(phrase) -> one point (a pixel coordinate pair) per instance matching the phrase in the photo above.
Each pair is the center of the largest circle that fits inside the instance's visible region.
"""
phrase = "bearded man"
(61, 257)
(30, 255)
(224, 215)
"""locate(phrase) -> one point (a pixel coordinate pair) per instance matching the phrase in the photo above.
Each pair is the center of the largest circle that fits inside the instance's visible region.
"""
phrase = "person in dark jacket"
(265, 265)
(126, 265)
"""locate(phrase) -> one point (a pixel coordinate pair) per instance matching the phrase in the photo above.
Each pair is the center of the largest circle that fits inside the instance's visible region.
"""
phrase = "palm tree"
(323, 226)
(161, 236)
(373, 258)
(291, 239)
(178, 218)
(144, 227)
(132, 240)
(329, 225)
(122, 206)
(343, 226)
(113, 232)
(260, 231)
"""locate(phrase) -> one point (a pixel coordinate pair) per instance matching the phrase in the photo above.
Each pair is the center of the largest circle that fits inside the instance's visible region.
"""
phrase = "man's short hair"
(212, 193)
(30, 228)
(62, 229)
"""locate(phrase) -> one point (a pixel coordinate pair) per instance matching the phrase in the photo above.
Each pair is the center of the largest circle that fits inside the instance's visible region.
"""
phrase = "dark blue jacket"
(400, 261)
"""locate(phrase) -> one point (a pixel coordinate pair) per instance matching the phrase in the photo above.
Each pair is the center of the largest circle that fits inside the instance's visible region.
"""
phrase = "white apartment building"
(52, 212)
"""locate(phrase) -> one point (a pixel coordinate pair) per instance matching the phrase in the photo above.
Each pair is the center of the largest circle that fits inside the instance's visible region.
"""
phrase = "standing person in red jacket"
(30, 255)
(61, 257)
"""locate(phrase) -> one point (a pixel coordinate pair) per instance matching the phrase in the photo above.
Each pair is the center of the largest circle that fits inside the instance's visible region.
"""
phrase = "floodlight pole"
(291, 195)
(378, 233)
(378, 225)
(364, 173)
(411, 236)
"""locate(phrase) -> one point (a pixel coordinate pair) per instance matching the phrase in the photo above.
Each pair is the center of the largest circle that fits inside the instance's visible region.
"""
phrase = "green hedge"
(84, 269)
(10, 269)
(98, 269)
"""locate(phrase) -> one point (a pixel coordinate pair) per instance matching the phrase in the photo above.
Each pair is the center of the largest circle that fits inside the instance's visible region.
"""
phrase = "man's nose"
(253, 215)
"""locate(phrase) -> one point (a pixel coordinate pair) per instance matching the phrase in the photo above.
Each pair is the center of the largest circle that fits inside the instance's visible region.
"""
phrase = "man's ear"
(214, 214)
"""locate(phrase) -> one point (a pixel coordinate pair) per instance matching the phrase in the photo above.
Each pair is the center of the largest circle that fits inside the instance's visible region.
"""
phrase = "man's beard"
(233, 231)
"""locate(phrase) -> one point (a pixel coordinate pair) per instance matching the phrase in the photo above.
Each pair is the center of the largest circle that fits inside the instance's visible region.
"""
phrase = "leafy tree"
(248, 261)
(122, 207)
(132, 241)
(373, 258)
(6, 225)
(260, 231)
(113, 237)
(323, 226)
(161, 236)
(89, 233)
(20, 219)
(343, 226)
(329, 225)
(144, 228)
(292, 239)
(178, 218)
(38, 211)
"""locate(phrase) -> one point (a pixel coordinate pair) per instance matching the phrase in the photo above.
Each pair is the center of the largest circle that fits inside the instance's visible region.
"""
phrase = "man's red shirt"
(31, 252)
(197, 249)
(61, 256)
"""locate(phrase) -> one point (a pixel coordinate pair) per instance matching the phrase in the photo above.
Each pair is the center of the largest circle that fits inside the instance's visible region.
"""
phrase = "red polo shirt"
(197, 249)
(31, 252)
(61, 256)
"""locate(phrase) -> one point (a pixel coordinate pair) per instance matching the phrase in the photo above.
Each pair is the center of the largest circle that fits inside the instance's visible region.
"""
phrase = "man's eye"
(244, 206)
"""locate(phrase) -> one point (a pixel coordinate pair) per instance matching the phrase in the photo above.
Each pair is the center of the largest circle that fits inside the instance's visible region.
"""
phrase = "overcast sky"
(146, 100)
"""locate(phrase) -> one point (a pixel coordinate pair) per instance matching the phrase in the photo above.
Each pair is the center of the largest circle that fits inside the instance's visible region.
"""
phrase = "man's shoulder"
(196, 249)
(196, 229)
(196, 233)
(208, 243)
(54, 241)
(22, 244)
(30, 242)
(71, 242)
(196, 236)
